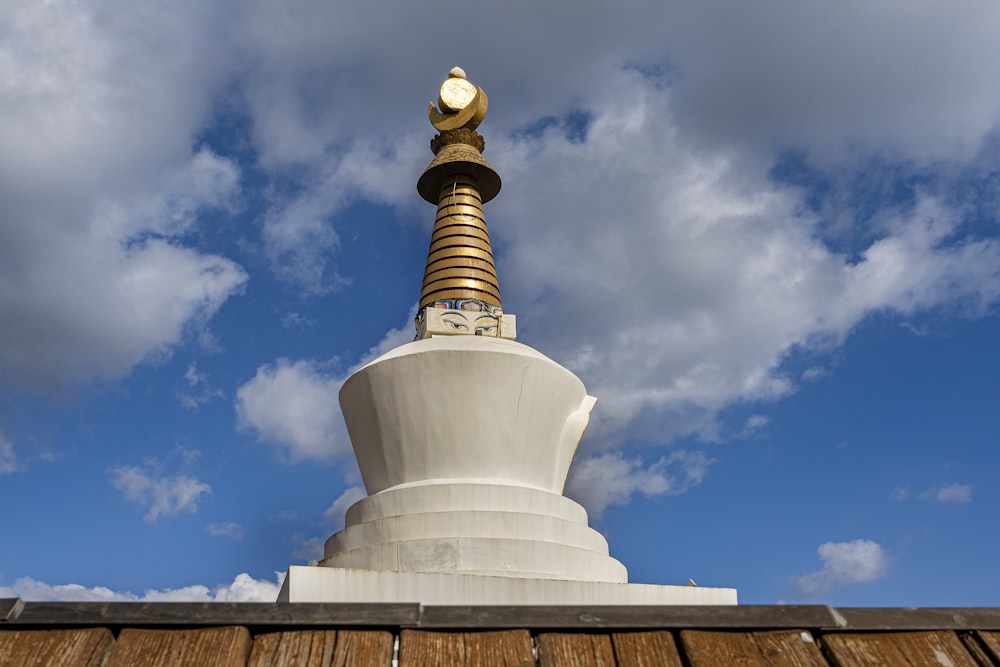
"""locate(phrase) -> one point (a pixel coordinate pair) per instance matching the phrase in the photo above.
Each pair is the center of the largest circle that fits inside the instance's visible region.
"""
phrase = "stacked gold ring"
(460, 259)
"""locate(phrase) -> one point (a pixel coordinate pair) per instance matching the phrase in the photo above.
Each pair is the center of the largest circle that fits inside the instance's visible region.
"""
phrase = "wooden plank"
(297, 648)
(275, 616)
(363, 648)
(575, 649)
(598, 617)
(794, 648)
(979, 649)
(926, 618)
(10, 608)
(219, 647)
(54, 648)
(991, 641)
(509, 648)
(195, 614)
(645, 649)
(418, 647)
(909, 649)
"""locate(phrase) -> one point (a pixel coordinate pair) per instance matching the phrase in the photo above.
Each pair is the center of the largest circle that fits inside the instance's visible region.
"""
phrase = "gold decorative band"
(457, 261)
(459, 232)
(457, 242)
(453, 217)
(467, 281)
(461, 198)
(481, 292)
(459, 228)
(461, 272)
(439, 255)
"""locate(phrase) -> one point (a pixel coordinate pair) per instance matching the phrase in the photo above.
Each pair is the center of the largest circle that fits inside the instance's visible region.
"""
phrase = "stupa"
(464, 437)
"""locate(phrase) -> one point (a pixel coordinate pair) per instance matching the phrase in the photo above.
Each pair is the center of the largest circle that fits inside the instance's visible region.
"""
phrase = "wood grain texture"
(55, 648)
(909, 649)
(219, 647)
(556, 649)
(363, 648)
(418, 647)
(991, 643)
(977, 649)
(298, 648)
(646, 649)
(791, 648)
(510, 648)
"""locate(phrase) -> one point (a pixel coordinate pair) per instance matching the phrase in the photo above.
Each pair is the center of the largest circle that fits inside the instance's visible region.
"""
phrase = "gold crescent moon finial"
(460, 103)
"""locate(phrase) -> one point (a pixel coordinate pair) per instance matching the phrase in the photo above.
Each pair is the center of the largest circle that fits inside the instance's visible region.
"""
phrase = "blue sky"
(765, 235)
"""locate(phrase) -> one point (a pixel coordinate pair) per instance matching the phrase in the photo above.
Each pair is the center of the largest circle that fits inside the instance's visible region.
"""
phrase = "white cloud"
(756, 279)
(946, 493)
(612, 479)
(293, 320)
(309, 549)
(164, 495)
(300, 244)
(753, 424)
(192, 400)
(243, 588)
(299, 237)
(777, 74)
(95, 294)
(101, 183)
(231, 530)
(295, 404)
(949, 493)
(886, 90)
(686, 290)
(858, 561)
(335, 512)
(8, 457)
(814, 372)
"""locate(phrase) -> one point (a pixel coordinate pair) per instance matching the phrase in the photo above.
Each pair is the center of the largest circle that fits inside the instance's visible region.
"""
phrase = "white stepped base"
(466, 523)
(473, 527)
(497, 556)
(330, 584)
(478, 494)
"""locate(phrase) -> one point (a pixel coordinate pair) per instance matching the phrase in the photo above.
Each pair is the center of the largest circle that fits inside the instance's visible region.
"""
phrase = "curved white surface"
(464, 407)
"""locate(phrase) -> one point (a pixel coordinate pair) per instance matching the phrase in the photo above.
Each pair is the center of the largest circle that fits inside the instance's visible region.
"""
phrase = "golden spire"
(460, 272)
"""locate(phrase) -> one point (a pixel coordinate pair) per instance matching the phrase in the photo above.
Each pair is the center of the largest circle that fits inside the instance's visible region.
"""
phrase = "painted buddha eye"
(457, 326)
